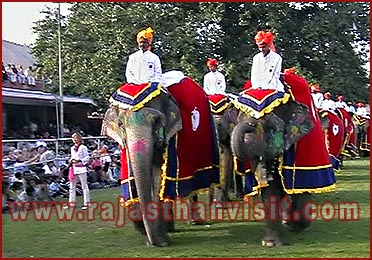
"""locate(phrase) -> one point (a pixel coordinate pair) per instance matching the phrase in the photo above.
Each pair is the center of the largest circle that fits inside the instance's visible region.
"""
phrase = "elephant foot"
(271, 239)
(162, 244)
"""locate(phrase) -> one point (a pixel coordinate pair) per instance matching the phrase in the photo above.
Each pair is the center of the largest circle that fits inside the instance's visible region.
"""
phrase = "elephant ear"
(324, 120)
(299, 124)
(173, 118)
(113, 125)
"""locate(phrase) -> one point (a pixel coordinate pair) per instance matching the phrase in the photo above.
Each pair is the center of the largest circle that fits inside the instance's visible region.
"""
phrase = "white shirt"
(341, 104)
(350, 109)
(361, 111)
(172, 77)
(143, 67)
(82, 155)
(328, 104)
(318, 99)
(214, 83)
(265, 73)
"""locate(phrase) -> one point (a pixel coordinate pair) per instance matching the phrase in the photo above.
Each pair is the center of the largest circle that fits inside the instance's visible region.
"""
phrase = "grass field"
(239, 238)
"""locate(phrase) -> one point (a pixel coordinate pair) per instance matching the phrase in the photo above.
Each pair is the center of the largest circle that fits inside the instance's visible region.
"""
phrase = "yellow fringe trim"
(138, 106)
(314, 190)
(258, 114)
(221, 109)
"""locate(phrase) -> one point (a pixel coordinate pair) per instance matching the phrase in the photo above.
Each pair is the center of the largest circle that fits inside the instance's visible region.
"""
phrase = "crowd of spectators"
(35, 173)
(17, 74)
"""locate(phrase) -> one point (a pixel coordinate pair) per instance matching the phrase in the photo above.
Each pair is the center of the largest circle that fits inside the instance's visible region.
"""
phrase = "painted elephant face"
(162, 115)
(268, 136)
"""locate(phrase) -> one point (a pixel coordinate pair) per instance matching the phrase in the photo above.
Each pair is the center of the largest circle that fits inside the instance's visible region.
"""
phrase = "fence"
(57, 143)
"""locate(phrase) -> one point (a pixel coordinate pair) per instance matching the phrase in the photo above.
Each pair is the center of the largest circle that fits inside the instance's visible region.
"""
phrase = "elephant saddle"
(258, 102)
(133, 96)
(219, 103)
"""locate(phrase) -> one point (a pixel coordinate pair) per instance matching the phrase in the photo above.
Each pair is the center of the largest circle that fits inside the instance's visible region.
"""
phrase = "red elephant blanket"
(335, 135)
(306, 166)
(191, 158)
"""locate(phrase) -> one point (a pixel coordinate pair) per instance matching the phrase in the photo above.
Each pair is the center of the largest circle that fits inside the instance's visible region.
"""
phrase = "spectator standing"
(78, 164)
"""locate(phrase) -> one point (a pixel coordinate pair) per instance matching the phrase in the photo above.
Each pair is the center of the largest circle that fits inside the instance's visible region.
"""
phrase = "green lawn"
(239, 238)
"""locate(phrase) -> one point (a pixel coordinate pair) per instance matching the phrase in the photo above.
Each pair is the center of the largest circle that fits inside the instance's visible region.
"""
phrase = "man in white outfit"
(340, 103)
(267, 64)
(317, 96)
(143, 66)
(361, 110)
(214, 81)
(328, 103)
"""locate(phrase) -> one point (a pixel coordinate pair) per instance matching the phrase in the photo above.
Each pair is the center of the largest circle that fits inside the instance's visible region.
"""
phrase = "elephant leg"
(196, 218)
(299, 220)
(228, 172)
(239, 193)
(271, 197)
(138, 224)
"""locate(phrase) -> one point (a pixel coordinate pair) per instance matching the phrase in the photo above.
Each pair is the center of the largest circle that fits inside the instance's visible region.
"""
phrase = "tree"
(327, 42)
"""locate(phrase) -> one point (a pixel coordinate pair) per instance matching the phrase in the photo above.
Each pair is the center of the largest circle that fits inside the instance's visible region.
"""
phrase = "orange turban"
(146, 34)
(292, 70)
(265, 37)
(212, 62)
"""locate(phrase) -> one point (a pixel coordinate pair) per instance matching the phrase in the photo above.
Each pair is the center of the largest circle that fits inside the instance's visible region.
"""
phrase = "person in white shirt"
(361, 110)
(214, 81)
(267, 64)
(350, 108)
(340, 103)
(78, 161)
(143, 66)
(316, 95)
(328, 104)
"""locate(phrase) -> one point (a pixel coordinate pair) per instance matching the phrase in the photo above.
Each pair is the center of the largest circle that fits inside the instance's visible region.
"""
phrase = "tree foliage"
(327, 42)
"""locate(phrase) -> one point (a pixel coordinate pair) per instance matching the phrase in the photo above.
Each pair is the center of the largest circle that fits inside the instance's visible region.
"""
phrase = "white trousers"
(84, 185)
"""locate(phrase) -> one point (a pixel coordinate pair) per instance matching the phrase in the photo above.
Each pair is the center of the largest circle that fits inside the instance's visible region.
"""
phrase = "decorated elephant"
(335, 134)
(225, 116)
(169, 148)
(280, 134)
(362, 134)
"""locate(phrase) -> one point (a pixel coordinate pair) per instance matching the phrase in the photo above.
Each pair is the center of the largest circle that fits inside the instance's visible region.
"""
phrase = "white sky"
(18, 19)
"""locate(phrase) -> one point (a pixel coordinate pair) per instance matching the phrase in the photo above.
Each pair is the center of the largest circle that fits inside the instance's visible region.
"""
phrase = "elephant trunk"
(141, 145)
(247, 141)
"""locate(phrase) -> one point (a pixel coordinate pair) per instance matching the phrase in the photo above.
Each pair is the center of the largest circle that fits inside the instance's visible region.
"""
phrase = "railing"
(20, 143)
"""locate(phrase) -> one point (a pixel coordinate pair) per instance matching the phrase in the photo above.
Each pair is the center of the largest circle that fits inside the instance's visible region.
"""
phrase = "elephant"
(151, 122)
(225, 118)
(362, 134)
(336, 134)
(273, 129)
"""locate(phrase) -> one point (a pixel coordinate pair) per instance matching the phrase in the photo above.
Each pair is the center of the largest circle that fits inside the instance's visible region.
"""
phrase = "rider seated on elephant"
(267, 64)
(214, 81)
(143, 66)
(340, 103)
(317, 95)
(328, 103)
